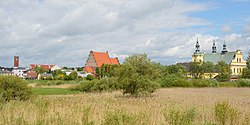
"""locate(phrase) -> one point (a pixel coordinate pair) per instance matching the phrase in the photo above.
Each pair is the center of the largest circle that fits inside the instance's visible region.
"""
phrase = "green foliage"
(90, 77)
(40, 70)
(243, 83)
(176, 81)
(73, 75)
(169, 80)
(106, 70)
(122, 118)
(58, 74)
(246, 71)
(14, 88)
(204, 83)
(224, 72)
(225, 114)
(180, 116)
(105, 84)
(138, 75)
(178, 70)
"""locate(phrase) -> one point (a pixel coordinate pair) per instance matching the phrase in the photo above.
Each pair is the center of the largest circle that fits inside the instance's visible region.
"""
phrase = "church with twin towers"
(234, 58)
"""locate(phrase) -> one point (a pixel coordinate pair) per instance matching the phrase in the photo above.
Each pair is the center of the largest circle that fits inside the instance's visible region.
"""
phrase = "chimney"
(16, 61)
(107, 51)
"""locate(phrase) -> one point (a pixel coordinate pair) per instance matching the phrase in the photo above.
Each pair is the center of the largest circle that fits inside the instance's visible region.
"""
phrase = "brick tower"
(16, 61)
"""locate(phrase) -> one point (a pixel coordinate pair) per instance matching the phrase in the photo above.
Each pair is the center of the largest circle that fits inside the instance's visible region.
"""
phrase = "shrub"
(138, 75)
(14, 88)
(168, 81)
(84, 86)
(243, 83)
(90, 77)
(226, 114)
(181, 82)
(120, 117)
(204, 83)
(105, 84)
(180, 116)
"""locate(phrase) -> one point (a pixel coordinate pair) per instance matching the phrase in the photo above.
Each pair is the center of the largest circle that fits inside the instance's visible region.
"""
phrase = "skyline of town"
(63, 33)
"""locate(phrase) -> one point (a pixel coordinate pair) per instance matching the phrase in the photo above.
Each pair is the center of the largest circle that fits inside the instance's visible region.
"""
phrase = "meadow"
(164, 107)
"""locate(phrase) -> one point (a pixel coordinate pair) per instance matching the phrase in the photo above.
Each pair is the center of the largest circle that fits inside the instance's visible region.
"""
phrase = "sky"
(63, 32)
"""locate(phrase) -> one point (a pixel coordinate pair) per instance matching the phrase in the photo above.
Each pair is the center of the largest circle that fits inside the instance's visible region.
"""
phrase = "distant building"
(20, 72)
(5, 72)
(44, 76)
(233, 59)
(30, 74)
(51, 67)
(97, 59)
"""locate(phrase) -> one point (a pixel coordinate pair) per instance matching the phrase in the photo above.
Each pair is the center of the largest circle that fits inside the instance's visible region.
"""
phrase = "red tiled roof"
(89, 69)
(114, 61)
(32, 66)
(101, 58)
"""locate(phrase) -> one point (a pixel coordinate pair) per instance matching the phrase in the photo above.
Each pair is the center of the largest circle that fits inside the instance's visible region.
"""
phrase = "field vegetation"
(198, 106)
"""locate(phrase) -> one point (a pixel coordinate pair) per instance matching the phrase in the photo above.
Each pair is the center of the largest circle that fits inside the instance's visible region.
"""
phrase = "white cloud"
(63, 32)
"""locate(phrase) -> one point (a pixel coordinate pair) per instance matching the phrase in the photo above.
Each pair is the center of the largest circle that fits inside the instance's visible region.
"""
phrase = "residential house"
(20, 72)
(30, 74)
(5, 72)
(51, 67)
(97, 59)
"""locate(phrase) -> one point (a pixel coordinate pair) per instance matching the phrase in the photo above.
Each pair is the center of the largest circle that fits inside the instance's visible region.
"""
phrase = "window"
(239, 59)
(234, 70)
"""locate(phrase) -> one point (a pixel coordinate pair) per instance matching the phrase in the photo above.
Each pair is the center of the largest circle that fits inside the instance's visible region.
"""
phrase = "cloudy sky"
(64, 31)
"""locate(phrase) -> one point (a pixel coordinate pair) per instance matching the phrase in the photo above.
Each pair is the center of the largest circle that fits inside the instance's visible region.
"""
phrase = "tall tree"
(138, 75)
(224, 71)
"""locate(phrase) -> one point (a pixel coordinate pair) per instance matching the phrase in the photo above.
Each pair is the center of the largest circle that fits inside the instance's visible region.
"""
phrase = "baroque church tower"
(197, 56)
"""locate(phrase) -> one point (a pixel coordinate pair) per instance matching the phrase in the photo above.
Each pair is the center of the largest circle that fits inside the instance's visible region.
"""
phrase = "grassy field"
(108, 108)
(53, 91)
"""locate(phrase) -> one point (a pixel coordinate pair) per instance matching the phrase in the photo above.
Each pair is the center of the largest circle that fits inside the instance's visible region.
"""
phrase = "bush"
(168, 81)
(180, 116)
(14, 88)
(176, 81)
(123, 118)
(226, 114)
(243, 83)
(138, 75)
(182, 82)
(106, 84)
(90, 77)
(204, 83)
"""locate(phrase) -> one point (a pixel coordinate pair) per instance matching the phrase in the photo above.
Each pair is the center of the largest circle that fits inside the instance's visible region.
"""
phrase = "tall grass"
(203, 106)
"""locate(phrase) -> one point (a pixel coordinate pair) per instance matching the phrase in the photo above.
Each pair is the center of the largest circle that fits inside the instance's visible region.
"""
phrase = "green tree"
(58, 74)
(246, 71)
(177, 69)
(14, 88)
(209, 67)
(196, 70)
(40, 69)
(139, 75)
(73, 75)
(224, 71)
